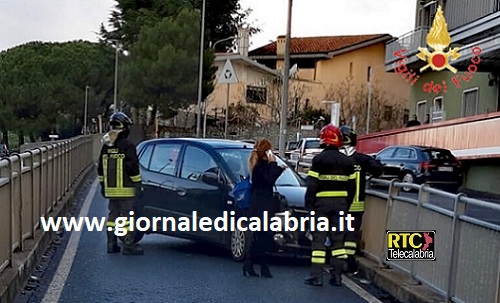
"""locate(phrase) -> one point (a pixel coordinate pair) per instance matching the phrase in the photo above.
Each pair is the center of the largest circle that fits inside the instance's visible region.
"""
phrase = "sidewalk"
(397, 284)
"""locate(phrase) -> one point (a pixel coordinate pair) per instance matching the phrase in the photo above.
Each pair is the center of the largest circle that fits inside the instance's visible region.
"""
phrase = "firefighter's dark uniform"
(364, 164)
(330, 190)
(120, 179)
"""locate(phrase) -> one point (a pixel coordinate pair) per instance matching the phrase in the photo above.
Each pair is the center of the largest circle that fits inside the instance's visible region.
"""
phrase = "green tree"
(222, 19)
(163, 65)
(44, 84)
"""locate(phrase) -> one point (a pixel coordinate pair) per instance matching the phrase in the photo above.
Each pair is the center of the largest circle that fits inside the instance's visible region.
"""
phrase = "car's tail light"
(426, 166)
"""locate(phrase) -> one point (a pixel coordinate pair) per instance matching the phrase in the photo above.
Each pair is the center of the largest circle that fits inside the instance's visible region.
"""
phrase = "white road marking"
(368, 297)
(56, 286)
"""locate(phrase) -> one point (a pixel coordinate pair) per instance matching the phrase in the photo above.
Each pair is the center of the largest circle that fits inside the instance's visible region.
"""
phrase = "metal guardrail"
(467, 250)
(32, 183)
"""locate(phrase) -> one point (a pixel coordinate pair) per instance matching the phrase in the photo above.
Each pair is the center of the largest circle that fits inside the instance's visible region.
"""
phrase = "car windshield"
(237, 160)
(313, 144)
(292, 145)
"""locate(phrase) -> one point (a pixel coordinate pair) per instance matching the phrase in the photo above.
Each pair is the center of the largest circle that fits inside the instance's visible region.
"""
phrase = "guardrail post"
(423, 197)
(32, 222)
(393, 191)
(458, 210)
(39, 214)
(498, 281)
(20, 215)
(11, 210)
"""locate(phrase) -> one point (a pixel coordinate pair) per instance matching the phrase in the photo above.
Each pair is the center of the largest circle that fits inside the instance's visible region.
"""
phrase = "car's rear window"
(313, 144)
(439, 155)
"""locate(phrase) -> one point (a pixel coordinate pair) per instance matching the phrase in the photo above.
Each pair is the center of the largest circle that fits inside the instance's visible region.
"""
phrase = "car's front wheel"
(238, 245)
(408, 177)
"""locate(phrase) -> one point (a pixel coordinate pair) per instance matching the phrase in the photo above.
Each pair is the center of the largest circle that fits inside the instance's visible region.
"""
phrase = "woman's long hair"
(259, 153)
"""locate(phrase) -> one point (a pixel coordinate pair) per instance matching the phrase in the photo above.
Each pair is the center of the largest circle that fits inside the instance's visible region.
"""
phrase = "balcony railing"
(410, 41)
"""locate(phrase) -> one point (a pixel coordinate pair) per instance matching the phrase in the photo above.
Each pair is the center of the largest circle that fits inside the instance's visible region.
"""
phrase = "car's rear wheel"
(238, 244)
(407, 178)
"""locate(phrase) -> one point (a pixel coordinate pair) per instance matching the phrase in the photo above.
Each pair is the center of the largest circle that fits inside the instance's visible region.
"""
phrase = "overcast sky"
(23, 21)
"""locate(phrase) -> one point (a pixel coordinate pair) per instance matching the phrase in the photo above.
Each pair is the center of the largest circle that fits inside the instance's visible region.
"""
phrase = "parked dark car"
(420, 164)
(184, 175)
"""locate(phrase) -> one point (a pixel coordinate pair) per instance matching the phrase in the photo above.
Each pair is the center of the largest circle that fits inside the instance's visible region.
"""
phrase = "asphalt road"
(78, 269)
(474, 211)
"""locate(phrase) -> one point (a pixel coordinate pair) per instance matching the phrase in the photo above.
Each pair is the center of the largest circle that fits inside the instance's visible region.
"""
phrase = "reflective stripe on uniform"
(119, 173)
(126, 192)
(333, 177)
(136, 179)
(340, 253)
(100, 178)
(325, 194)
(357, 206)
(105, 168)
(313, 174)
(318, 256)
(350, 247)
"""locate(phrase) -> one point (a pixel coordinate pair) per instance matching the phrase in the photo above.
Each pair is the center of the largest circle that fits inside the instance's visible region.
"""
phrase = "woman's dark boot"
(264, 268)
(248, 267)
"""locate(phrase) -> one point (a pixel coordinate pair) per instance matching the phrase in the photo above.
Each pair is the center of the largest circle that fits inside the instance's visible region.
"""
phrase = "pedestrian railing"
(466, 249)
(32, 183)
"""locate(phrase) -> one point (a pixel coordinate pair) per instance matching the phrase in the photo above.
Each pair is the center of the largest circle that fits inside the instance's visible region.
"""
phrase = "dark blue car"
(184, 175)
(420, 164)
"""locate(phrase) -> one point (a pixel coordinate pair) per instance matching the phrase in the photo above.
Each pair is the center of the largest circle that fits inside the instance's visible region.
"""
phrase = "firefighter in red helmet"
(330, 191)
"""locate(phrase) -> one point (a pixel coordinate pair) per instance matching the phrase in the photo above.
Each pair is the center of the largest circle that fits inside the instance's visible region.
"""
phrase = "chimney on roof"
(280, 45)
(243, 40)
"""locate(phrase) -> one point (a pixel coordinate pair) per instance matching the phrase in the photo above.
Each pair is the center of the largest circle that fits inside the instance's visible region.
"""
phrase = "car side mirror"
(211, 178)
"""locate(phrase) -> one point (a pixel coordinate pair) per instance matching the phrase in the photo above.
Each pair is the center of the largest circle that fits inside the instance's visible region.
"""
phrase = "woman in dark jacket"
(264, 172)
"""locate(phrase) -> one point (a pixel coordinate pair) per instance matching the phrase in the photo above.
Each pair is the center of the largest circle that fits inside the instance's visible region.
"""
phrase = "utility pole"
(368, 111)
(286, 75)
(115, 102)
(200, 72)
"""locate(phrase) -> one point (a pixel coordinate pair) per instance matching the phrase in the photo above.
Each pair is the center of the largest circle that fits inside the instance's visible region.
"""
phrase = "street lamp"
(286, 75)
(200, 72)
(212, 46)
(86, 108)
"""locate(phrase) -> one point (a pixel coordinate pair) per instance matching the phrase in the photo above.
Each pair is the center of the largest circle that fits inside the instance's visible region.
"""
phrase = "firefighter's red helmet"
(331, 135)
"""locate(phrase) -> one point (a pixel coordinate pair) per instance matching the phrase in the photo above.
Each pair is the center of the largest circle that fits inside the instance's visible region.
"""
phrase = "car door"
(159, 179)
(386, 158)
(195, 194)
(405, 159)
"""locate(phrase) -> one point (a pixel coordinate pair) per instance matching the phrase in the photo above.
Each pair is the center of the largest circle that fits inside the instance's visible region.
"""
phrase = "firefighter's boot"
(336, 272)
(112, 243)
(130, 247)
(315, 278)
(134, 249)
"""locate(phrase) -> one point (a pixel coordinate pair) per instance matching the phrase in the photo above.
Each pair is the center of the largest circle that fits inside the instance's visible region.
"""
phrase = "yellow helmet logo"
(439, 40)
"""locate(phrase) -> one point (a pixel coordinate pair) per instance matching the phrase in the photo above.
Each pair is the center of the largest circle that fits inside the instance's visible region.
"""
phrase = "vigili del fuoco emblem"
(439, 40)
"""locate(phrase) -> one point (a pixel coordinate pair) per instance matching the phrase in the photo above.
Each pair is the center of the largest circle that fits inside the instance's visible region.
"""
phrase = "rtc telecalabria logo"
(438, 58)
(439, 39)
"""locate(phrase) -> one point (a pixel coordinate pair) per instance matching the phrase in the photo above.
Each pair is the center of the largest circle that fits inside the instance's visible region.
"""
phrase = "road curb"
(13, 279)
(398, 284)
